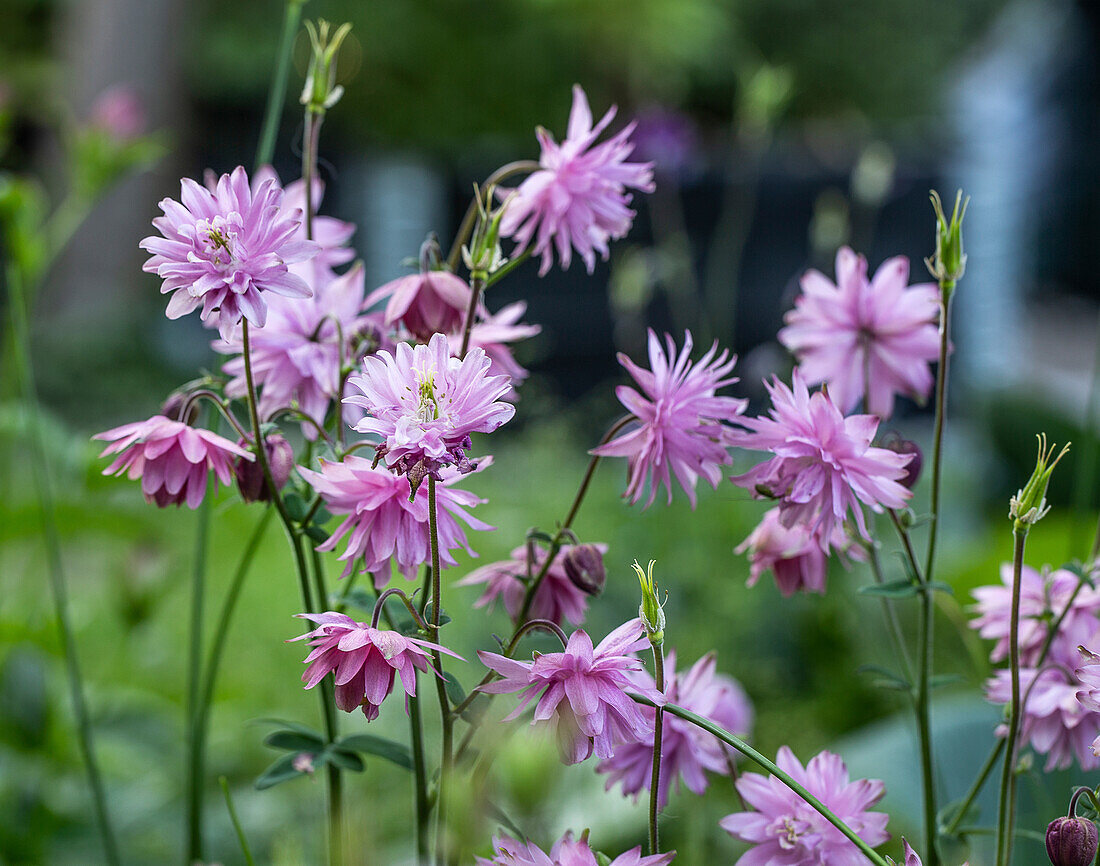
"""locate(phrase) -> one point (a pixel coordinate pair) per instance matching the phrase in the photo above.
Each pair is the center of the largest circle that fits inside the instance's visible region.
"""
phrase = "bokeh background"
(780, 130)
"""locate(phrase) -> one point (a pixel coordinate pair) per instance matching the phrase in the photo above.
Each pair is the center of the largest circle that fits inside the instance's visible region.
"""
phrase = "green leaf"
(940, 586)
(298, 728)
(368, 744)
(891, 589)
(296, 506)
(280, 771)
(343, 758)
(940, 680)
(294, 741)
(885, 679)
(322, 516)
(455, 692)
(316, 532)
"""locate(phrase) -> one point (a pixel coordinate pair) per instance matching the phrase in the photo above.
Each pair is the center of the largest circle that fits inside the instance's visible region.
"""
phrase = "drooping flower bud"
(894, 442)
(948, 263)
(1029, 505)
(1071, 841)
(250, 475)
(175, 404)
(583, 565)
(650, 610)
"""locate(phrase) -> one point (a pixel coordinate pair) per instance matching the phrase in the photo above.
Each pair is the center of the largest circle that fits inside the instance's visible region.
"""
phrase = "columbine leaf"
(294, 741)
(454, 688)
(281, 771)
(343, 758)
(368, 744)
(891, 589)
(298, 728)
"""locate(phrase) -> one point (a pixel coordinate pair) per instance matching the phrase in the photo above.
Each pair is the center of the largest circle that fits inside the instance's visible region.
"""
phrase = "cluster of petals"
(1044, 597)
(171, 458)
(823, 464)
(426, 303)
(686, 750)
(794, 555)
(868, 339)
(557, 598)
(785, 829)
(492, 333)
(385, 523)
(223, 249)
(581, 692)
(567, 851)
(424, 404)
(363, 660)
(681, 426)
(577, 199)
(1088, 675)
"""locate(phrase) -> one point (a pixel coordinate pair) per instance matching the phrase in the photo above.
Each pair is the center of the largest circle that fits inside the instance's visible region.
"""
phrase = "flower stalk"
(446, 716)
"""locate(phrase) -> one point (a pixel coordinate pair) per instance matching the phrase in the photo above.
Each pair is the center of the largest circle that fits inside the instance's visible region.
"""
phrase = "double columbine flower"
(426, 303)
(364, 660)
(567, 851)
(682, 429)
(581, 691)
(424, 404)
(223, 249)
(577, 200)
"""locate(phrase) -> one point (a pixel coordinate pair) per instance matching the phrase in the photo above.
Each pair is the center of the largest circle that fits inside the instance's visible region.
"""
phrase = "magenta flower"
(581, 691)
(794, 555)
(384, 523)
(786, 829)
(556, 599)
(492, 334)
(1043, 598)
(364, 660)
(430, 302)
(823, 465)
(686, 751)
(680, 418)
(577, 199)
(867, 339)
(171, 458)
(567, 851)
(222, 250)
(425, 404)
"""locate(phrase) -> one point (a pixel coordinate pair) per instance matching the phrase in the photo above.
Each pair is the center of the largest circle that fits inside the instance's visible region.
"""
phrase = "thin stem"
(976, 788)
(658, 730)
(477, 283)
(276, 93)
(332, 728)
(466, 226)
(507, 268)
(946, 289)
(446, 718)
(310, 138)
(755, 756)
(215, 400)
(379, 608)
(1008, 777)
(924, 721)
(236, 822)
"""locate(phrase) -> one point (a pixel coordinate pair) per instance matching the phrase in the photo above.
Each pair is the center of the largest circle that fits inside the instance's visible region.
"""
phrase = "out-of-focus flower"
(1043, 599)
(427, 303)
(786, 829)
(223, 250)
(364, 660)
(493, 333)
(667, 139)
(894, 442)
(171, 459)
(250, 473)
(581, 691)
(686, 750)
(823, 465)
(1070, 841)
(681, 430)
(384, 523)
(866, 338)
(119, 112)
(577, 200)
(424, 404)
(556, 599)
(567, 851)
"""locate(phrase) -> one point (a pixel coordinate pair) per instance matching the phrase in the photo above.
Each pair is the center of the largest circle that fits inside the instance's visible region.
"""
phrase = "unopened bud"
(303, 762)
(893, 442)
(250, 474)
(1029, 505)
(175, 404)
(583, 565)
(1071, 841)
(948, 263)
(650, 610)
(321, 91)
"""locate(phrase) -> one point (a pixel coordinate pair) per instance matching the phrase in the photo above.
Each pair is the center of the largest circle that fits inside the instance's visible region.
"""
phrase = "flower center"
(218, 238)
(787, 831)
(428, 407)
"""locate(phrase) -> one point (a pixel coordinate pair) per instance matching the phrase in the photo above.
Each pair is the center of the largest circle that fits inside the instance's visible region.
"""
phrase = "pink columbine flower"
(786, 829)
(171, 458)
(223, 250)
(581, 691)
(556, 599)
(364, 660)
(1088, 675)
(1043, 598)
(867, 339)
(330, 234)
(425, 404)
(577, 199)
(823, 465)
(430, 302)
(686, 751)
(567, 851)
(120, 112)
(794, 555)
(385, 523)
(681, 430)
(492, 334)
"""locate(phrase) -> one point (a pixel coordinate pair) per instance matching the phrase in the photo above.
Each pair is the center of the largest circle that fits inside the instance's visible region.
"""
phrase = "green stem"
(332, 727)
(55, 567)
(1008, 777)
(924, 721)
(477, 283)
(946, 290)
(310, 138)
(658, 730)
(975, 789)
(507, 268)
(446, 759)
(236, 822)
(501, 174)
(423, 807)
(276, 93)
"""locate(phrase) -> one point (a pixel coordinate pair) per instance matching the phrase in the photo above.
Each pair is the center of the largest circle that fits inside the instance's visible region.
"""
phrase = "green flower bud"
(1029, 505)
(650, 610)
(321, 91)
(949, 261)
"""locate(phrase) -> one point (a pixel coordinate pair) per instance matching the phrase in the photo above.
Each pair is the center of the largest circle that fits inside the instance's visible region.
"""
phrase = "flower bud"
(895, 443)
(948, 263)
(583, 565)
(1071, 841)
(250, 474)
(321, 91)
(1029, 505)
(173, 406)
(650, 610)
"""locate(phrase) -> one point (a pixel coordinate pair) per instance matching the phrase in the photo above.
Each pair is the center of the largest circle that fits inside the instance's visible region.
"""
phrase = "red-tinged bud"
(583, 565)
(1071, 841)
(250, 474)
(895, 443)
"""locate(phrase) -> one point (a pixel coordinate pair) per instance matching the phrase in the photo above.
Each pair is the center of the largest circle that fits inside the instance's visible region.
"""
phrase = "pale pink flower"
(223, 250)
(681, 429)
(492, 334)
(823, 466)
(556, 599)
(687, 751)
(171, 458)
(581, 691)
(867, 339)
(424, 404)
(567, 851)
(430, 302)
(385, 523)
(786, 830)
(1043, 598)
(1088, 675)
(120, 112)
(364, 660)
(577, 199)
